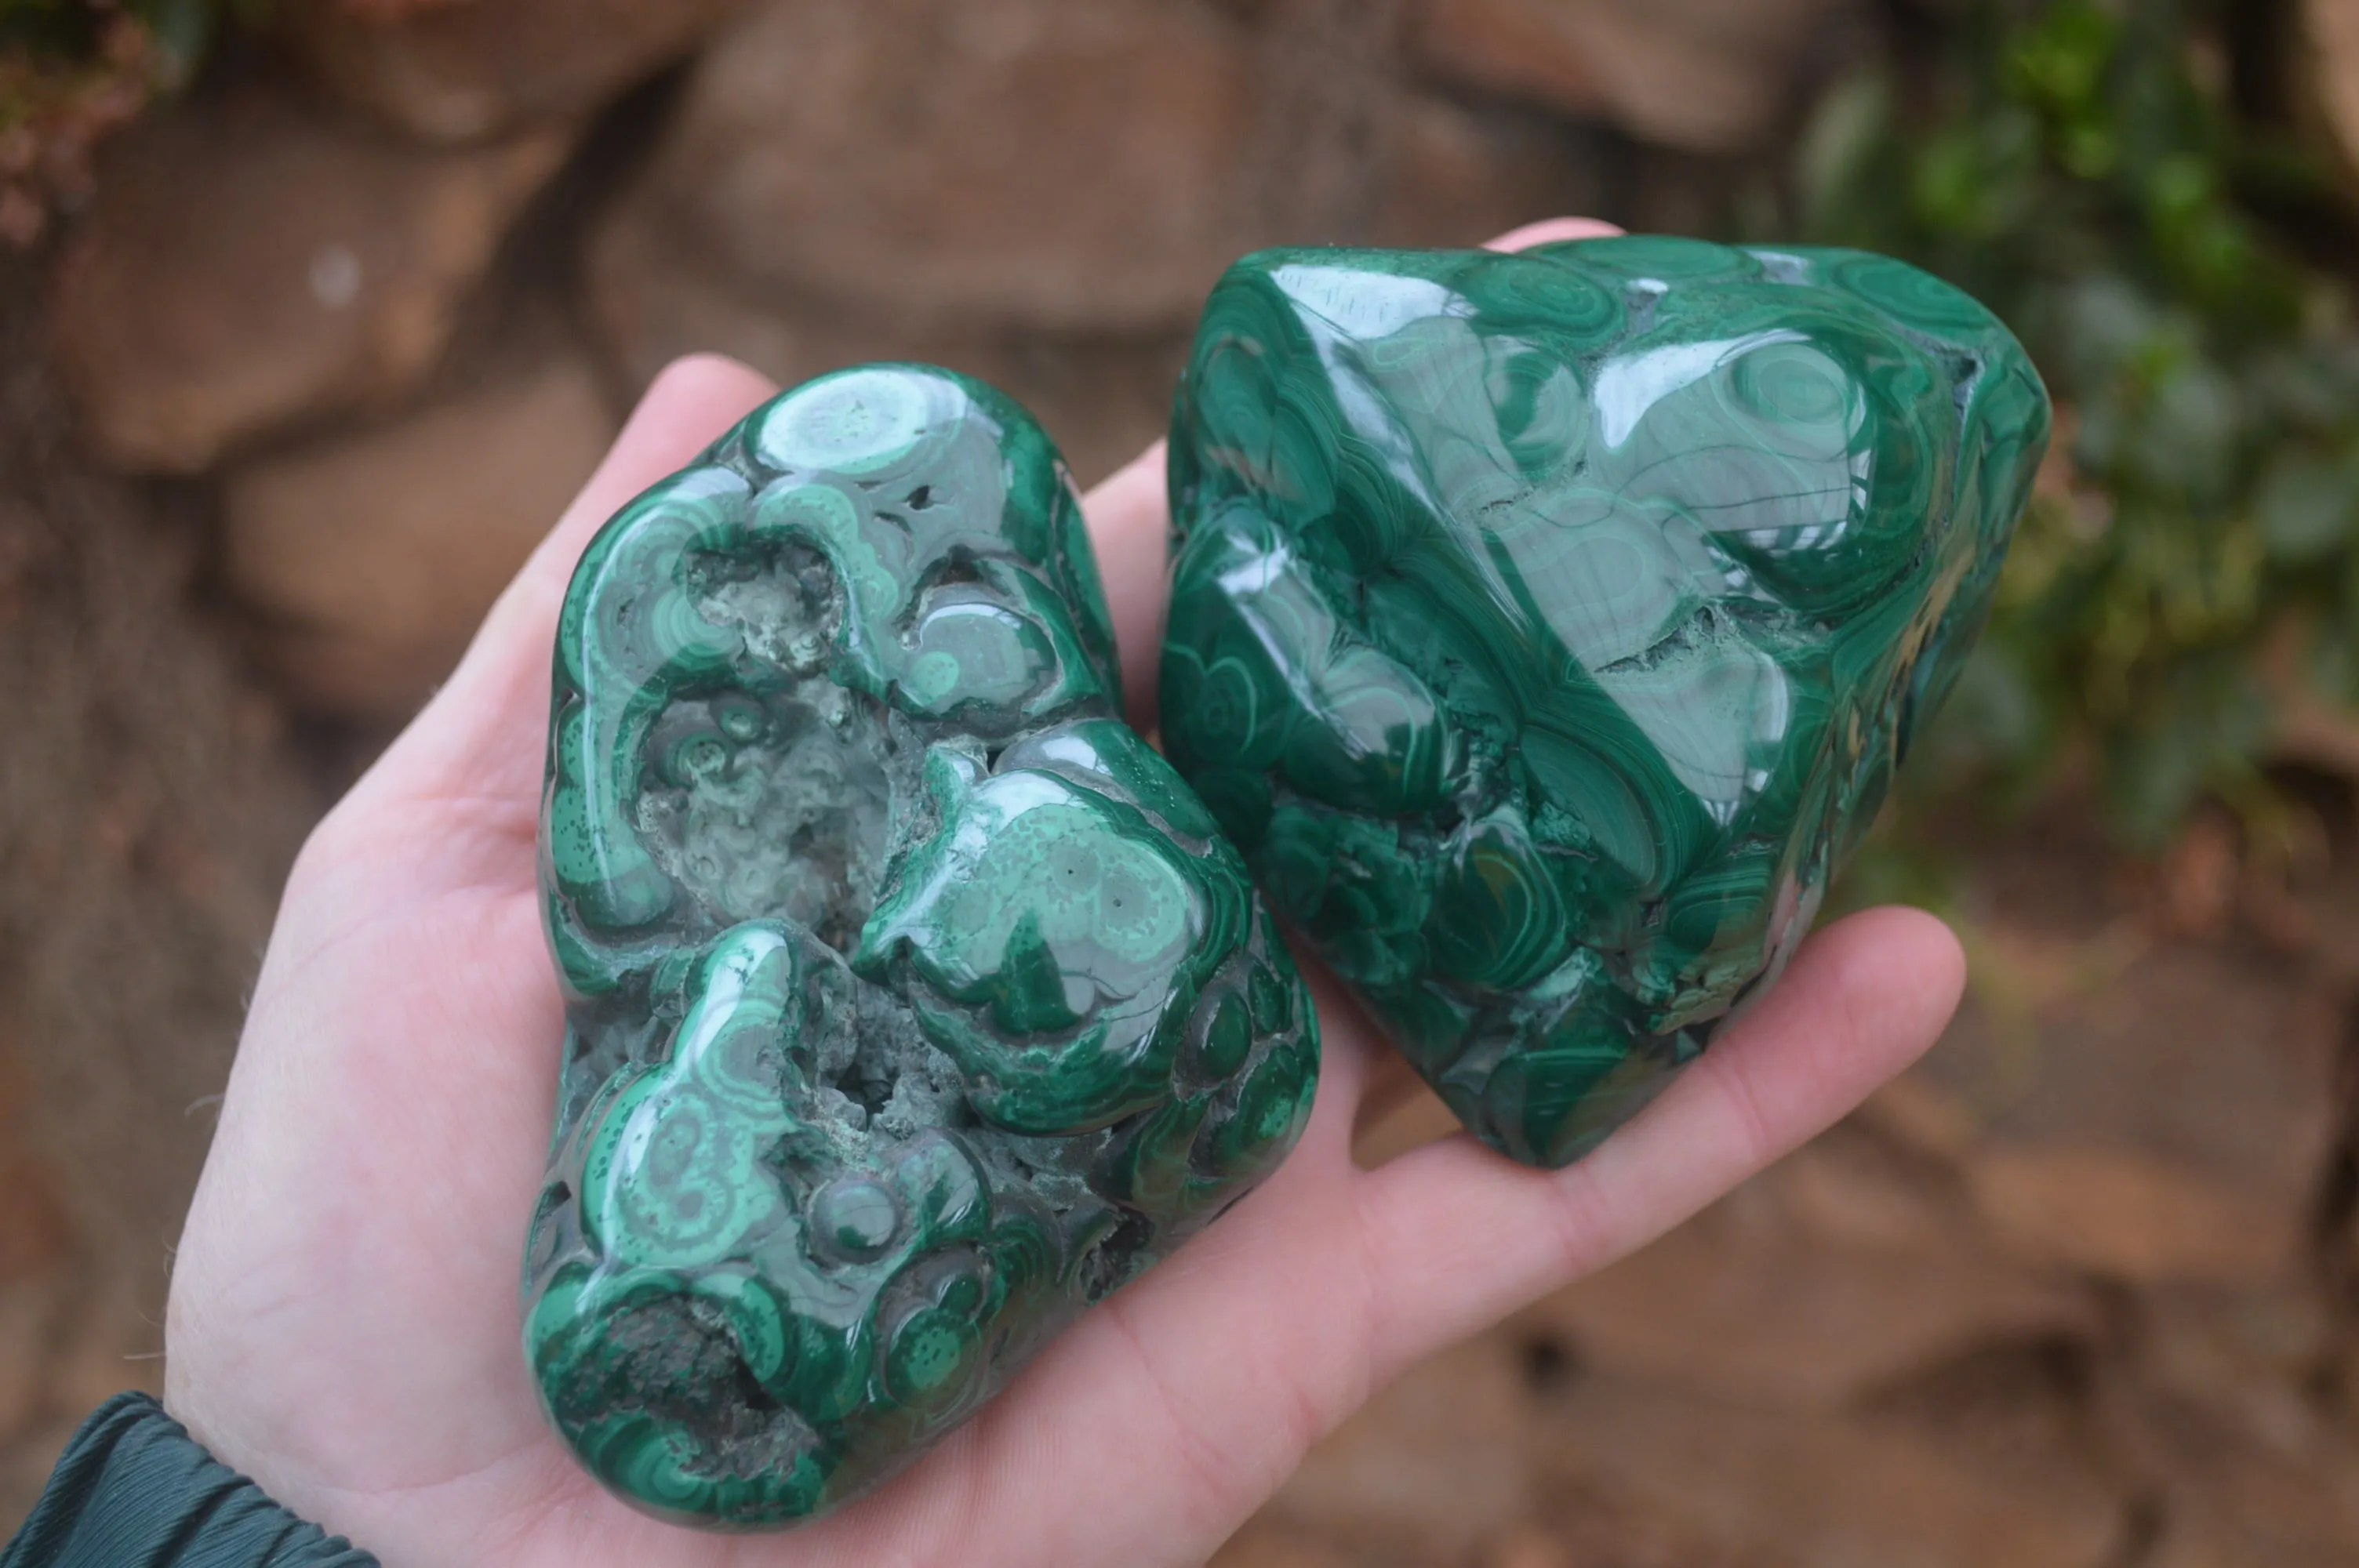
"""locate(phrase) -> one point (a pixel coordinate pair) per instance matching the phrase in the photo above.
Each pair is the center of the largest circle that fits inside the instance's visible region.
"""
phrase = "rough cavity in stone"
(914, 1003)
(1546, 626)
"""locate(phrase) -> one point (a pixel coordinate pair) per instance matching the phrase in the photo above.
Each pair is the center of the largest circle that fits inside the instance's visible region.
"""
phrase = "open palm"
(344, 1323)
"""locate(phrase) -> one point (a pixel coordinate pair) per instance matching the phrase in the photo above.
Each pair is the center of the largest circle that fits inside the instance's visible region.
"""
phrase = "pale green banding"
(847, 686)
(1579, 601)
(854, 422)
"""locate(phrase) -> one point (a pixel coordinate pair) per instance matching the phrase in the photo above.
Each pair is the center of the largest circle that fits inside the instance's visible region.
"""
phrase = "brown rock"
(1527, 1546)
(1917, 1116)
(248, 264)
(654, 297)
(376, 554)
(1604, 1527)
(1701, 75)
(2165, 1117)
(2311, 909)
(765, 232)
(1079, 166)
(1428, 1469)
(2121, 1212)
(467, 69)
(1102, 399)
(1071, 164)
(148, 817)
(1822, 1489)
(1807, 1288)
(1398, 1114)
(1456, 176)
(2251, 1360)
(2326, 61)
(28, 1314)
(35, 1233)
(104, 1348)
(2225, 1501)
(1265, 1543)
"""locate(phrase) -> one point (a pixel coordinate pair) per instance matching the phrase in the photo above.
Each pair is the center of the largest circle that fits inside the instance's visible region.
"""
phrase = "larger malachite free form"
(1546, 626)
(914, 1003)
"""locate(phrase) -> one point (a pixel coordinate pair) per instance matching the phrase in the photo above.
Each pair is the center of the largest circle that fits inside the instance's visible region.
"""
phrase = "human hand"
(344, 1323)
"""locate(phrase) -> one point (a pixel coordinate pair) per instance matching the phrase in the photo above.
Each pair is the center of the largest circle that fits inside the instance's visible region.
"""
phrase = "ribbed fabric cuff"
(135, 1490)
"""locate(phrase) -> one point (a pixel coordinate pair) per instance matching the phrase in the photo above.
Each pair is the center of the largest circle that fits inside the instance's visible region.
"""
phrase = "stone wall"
(345, 325)
(453, 239)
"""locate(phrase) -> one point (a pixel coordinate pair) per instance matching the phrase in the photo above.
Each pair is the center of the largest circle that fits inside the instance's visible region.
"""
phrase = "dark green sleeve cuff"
(135, 1490)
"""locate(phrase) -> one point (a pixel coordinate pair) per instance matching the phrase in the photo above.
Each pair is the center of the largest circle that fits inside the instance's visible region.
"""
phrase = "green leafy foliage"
(84, 33)
(2189, 571)
(73, 71)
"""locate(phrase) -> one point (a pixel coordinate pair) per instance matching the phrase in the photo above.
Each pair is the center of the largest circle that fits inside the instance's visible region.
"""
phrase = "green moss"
(2091, 172)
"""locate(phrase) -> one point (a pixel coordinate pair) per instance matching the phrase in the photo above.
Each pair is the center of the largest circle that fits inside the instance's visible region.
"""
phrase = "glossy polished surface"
(915, 1003)
(1546, 625)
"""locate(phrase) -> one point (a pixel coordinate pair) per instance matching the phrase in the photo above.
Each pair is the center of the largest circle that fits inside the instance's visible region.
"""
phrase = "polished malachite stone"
(1546, 625)
(915, 1003)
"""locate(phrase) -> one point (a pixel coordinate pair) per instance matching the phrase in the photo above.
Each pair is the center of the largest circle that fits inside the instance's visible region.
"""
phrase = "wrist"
(134, 1486)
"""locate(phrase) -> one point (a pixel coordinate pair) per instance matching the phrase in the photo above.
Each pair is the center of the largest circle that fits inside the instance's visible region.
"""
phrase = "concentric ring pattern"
(1546, 625)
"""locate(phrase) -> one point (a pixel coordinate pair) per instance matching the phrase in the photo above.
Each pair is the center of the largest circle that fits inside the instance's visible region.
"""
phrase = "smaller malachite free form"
(914, 1003)
(1546, 626)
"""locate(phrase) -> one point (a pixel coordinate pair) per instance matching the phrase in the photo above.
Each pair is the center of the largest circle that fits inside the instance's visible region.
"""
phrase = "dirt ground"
(2083, 1289)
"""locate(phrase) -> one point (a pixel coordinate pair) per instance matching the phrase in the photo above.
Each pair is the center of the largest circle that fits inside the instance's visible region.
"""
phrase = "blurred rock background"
(312, 315)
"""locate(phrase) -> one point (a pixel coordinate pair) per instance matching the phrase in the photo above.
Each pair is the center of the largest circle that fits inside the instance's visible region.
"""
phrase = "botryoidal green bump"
(914, 1003)
(1546, 626)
